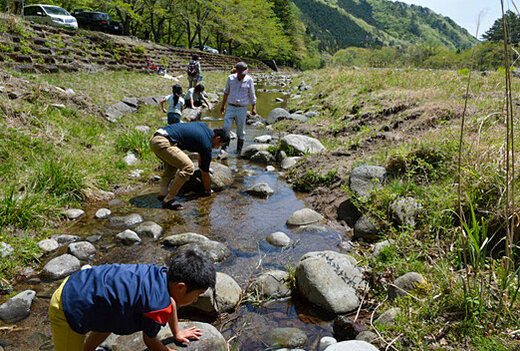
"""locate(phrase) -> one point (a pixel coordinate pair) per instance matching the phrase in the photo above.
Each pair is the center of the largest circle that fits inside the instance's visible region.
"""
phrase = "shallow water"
(240, 221)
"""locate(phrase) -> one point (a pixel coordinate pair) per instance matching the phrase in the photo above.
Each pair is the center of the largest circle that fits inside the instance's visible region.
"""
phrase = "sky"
(466, 12)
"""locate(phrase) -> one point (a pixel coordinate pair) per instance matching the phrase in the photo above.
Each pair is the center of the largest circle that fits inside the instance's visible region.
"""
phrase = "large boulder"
(252, 149)
(263, 157)
(260, 190)
(221, 178)
(213, 250)
(277, 114)
(330, 280)
(224, 299)
(304, 216)
(17, 307)
(272, 284)
(364, 179)
(302, 144)
(192, 114)
(60, 267)
(286, 337)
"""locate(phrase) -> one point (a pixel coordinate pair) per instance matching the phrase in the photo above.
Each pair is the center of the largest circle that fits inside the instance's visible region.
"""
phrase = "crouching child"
(126, 298)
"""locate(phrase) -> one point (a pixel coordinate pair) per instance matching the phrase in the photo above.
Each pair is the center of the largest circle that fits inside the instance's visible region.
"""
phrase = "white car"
(49, 14)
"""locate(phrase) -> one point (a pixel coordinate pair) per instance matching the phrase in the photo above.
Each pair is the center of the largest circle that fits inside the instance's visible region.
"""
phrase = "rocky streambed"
(285, 278)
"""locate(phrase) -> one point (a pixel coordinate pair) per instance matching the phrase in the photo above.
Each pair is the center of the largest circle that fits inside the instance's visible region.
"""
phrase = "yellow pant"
(65, 339)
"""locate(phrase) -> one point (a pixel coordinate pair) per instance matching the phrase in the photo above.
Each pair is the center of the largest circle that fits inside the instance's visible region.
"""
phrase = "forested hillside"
(368, 23)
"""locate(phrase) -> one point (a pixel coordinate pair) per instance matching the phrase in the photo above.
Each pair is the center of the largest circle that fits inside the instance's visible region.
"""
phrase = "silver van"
(49, 14)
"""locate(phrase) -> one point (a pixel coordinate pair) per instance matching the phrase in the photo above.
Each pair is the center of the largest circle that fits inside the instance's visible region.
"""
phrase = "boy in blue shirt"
(127, 298)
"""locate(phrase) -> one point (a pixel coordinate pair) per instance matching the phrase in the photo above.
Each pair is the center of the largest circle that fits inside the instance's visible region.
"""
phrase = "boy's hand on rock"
(186, 334)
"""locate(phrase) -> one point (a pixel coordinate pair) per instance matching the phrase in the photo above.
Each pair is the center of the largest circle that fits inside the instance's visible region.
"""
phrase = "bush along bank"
(389, 174)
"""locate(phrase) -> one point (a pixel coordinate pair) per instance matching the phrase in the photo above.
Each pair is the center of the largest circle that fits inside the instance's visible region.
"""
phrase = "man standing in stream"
(239, 92)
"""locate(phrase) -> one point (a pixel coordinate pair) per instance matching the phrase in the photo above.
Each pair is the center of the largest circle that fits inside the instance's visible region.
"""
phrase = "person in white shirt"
(239, 92)
(194, 97)
(175, 104)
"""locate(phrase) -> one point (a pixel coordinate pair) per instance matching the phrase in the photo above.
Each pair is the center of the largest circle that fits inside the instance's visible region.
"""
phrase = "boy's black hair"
(193, 269)
(199, 87)
(195, 57)
(223, 134)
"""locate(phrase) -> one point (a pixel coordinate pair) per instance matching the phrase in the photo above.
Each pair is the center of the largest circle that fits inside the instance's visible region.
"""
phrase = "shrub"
(134, 141)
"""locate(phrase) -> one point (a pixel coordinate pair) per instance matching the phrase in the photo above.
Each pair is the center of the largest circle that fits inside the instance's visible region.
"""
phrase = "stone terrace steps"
(48, 49)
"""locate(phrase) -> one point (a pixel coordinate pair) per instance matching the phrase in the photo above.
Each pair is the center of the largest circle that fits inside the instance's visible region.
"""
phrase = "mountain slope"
(365, 23)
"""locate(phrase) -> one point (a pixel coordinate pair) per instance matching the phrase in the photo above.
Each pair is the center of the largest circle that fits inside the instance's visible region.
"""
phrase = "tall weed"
(61, 177)
(21, 210)
(134, 141)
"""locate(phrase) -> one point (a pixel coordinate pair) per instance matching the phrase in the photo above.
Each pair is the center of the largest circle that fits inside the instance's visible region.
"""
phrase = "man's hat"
(241, 67)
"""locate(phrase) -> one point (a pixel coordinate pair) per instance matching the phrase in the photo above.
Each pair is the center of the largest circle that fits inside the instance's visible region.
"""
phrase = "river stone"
(221, 177)
(213, 250)
(263, 139)
(64, 239)
(365, 179)
(277, 114)
(225, 299)
(48, 245)
(272, 284)
(366, 229)
(102, 213)
(18, 307)
(130, 159)
(330, 280)
(406, 210)
(263, 157)
(286, 337)
(302, 144)
(290, 162)
(367, 336)
(192, 114)
(252, 149)
(382, 245)
(388, 316)
(126, 221)
(5, 250)
(326, 341)
(297, 117)
(94, 237)
(278, 239)
(346, 329)
(352, 345)
(183, 239)
(128, 237)
(270, 169)
(60, 267)
(304, 216)
(211, 339)
(405, 284)
(142, 129)
(312, 229)
(83, 250)
(149, 229)
(260, 190)
(73, 213)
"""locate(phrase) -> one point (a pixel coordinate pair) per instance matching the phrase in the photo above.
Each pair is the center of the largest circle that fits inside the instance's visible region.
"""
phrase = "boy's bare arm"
(185, 334)
(93, 340)
(154, 344)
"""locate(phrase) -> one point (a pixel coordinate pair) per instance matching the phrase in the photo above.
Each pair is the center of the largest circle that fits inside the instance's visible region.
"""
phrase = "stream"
(232, 217)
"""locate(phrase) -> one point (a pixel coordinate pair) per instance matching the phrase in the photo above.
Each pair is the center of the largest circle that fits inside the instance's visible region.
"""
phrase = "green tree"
(496, 32)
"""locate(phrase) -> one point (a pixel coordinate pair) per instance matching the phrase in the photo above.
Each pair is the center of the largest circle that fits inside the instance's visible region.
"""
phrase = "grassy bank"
(409, 121)
(54, 157)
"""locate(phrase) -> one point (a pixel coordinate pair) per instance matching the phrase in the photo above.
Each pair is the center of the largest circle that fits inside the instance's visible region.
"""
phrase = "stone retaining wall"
(47, 49)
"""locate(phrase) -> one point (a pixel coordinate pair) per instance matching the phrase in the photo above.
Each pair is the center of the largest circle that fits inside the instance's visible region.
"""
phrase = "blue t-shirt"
(194, 137)
(121, 299)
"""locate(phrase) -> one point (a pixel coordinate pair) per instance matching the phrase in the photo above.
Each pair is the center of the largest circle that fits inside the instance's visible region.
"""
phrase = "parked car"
(49, 14)
(100, 21)
(210, 49)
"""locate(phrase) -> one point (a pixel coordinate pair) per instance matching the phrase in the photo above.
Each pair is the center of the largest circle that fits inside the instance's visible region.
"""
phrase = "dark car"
(100, 21)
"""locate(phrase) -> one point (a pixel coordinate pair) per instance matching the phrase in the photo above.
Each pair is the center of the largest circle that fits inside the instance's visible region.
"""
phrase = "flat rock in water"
(211, 339)
(304, 216)
(192, 114)
(252, 149)
(263, 157)
(277, 114)
(224, 299)
(102, 213)
(221, 178)
(128, 237)
(312, 229)
(330, 280)
(263, 139)
(149, 229)
(278, 239)
(213, 250)
(365, 179)
(290, 162)
(126, 221)
(260, 190)
(64, 239)
(286, 337)
(83, 250)
(5, 250)
(183, 239)
(272, 284)
(352, 345)
(48, 245)
(73, 213)
(60, 267)
(18, 307)
(302, 144)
